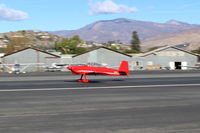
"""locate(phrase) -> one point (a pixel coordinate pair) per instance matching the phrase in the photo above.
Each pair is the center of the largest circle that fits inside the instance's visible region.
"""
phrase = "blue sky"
(51, 15)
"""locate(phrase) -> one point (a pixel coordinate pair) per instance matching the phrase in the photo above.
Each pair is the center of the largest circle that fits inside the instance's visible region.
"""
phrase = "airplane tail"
(123, 68)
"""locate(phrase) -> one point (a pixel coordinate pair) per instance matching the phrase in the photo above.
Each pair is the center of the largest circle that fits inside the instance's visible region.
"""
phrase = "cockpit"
(94, 64)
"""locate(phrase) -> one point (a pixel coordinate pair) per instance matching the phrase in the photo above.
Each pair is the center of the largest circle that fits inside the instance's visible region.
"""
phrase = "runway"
(144, 102)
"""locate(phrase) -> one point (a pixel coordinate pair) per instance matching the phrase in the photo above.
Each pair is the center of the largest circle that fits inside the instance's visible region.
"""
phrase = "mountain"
(36, 38)
(121, 29)
(188, 38)
(175, 22)
(152, 34)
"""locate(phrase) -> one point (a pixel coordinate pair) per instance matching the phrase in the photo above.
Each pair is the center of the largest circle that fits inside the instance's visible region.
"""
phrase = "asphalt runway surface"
(144, 102)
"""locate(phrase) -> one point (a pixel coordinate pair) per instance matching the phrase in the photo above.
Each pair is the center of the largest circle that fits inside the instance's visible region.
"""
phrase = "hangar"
(102, 55)
(33, 59)
(169, 57)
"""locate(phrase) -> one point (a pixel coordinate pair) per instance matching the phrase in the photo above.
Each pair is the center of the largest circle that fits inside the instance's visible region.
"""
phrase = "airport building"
(29, 59)
(102, 55)
(169, 57)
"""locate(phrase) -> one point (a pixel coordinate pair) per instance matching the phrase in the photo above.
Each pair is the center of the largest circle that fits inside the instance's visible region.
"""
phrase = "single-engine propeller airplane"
(196, 66)
(94, 70)
(18, 68)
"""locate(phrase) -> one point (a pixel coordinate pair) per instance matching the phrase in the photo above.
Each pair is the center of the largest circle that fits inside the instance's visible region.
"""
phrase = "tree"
(70, 46)
(130, 51)
(113, 48)
(197, 51)
(16, 43)
(135, 42)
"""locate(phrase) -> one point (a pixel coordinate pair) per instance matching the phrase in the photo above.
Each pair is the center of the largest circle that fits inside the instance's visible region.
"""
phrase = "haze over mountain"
(121, 29)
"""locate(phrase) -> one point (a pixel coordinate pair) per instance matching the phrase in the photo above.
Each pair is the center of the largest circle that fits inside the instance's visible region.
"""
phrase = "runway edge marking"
(105, 87)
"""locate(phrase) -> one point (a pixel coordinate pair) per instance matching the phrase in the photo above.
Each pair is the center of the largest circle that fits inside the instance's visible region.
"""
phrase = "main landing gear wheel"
(85, 80)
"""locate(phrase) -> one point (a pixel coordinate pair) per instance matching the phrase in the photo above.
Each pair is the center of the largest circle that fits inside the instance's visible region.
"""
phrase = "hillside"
(36, 38)
(191, 37)
(152, 34)
(121, 29)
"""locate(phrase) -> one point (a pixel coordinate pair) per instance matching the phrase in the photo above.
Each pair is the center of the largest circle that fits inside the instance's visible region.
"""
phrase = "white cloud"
(109, 7)
(9, 14)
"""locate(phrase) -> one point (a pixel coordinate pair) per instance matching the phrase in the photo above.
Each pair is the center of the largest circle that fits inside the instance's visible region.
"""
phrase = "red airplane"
(92, 70)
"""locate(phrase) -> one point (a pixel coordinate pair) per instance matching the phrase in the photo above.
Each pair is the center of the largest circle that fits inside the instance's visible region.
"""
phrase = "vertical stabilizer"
(123, 68)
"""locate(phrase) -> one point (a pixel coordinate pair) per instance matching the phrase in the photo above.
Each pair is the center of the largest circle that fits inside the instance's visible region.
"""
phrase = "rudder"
(123, 68)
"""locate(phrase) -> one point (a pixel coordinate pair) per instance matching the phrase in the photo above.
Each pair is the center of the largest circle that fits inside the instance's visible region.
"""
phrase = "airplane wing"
(196, 67)
(23, 64)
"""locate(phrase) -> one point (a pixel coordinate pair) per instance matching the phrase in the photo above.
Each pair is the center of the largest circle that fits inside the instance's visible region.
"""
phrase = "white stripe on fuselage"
(89, 71)
(112, 73)
(84, 71)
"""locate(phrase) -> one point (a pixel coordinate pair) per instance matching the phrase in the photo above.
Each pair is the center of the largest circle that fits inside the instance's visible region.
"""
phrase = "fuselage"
(93, 70)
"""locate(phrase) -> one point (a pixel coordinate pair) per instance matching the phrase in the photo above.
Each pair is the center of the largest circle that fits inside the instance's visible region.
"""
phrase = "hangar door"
(178, 65)
(184, 65)
(172, 65)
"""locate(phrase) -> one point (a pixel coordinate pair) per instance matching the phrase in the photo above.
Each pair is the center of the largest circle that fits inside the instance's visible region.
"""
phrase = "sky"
(54, 15)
